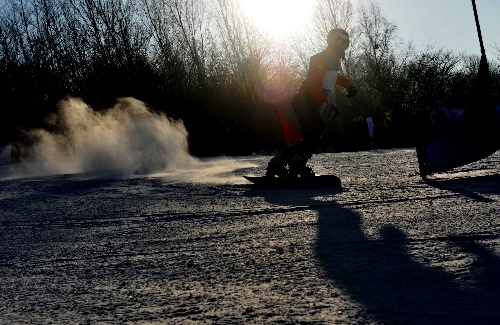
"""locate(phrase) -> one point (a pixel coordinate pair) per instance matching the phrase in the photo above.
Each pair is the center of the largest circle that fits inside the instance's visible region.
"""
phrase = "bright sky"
(444, 23)
(278, 17)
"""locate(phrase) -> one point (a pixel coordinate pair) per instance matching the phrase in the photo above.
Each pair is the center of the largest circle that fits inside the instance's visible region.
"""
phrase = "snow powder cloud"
(126, 139)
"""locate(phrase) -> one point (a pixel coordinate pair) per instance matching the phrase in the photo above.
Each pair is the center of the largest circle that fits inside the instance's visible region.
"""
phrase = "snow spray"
(126, 139)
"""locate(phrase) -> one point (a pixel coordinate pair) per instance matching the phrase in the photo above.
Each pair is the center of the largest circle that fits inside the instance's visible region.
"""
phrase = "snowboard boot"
(277, 166)
(298, 166)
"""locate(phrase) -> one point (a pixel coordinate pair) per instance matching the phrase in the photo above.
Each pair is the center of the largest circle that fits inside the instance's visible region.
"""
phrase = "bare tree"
(243, 45)
(326, 15)
(375, 59)
(189, 18)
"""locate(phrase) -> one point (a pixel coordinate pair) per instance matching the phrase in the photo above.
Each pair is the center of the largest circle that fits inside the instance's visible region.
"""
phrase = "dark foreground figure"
(316, 93)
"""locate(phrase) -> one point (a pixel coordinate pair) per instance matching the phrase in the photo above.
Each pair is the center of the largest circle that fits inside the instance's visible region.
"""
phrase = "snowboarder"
(315, 93)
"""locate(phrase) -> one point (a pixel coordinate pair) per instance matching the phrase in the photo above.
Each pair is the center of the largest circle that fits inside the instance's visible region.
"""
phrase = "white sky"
(278, 17)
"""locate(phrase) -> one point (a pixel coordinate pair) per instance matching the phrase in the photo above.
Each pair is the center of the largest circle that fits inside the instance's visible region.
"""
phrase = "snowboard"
(319, 181)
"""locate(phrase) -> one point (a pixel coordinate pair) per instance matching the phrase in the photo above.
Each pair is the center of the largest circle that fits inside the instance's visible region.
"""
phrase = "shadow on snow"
(385, 279)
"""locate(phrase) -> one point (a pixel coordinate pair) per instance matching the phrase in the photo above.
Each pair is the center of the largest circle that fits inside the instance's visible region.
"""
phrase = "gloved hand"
(330, 110)
(351, 90)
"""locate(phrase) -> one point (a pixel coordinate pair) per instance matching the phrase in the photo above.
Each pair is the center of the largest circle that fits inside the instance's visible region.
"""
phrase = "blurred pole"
(483, 53)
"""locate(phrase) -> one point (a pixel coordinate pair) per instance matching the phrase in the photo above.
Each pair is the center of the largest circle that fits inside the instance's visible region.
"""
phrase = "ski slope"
(201, 246)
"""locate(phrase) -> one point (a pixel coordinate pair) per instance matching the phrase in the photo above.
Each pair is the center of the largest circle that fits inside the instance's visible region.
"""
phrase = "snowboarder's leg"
(297, 155)
(299, 152)
(298, 166)
(277, 166)
(312, 126)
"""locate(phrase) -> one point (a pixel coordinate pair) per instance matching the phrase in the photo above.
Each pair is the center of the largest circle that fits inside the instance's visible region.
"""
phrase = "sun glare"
(279, 18)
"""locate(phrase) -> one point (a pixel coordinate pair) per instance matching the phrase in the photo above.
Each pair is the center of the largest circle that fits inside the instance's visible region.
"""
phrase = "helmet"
(338, 37)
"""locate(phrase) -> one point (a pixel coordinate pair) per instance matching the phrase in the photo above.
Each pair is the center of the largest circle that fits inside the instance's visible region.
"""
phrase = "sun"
(279, 18)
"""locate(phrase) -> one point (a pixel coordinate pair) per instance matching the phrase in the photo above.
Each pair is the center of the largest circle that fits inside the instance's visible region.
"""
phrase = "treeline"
(204, 62)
